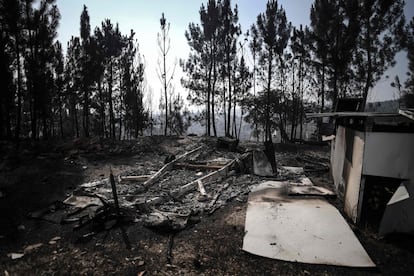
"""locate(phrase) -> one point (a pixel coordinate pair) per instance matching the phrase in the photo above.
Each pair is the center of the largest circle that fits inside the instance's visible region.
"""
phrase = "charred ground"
(41, 175)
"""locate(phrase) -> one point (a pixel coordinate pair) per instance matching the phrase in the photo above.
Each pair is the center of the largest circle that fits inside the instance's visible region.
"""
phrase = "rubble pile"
(166, 197)
(195, 180)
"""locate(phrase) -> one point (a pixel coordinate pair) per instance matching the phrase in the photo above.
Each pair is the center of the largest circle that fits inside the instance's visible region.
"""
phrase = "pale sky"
(143, 17)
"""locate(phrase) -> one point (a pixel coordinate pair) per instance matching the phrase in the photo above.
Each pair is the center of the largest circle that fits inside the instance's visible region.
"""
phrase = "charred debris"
(170, 197)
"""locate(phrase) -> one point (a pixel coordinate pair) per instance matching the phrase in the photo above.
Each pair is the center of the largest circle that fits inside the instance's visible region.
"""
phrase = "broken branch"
(221, 173)
(201, 188)
(197, 166)
(170, 247)
(168, 167)
(113, 186)
(137, 178)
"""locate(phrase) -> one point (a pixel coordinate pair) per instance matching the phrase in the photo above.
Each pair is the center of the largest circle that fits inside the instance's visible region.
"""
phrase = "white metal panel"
(261, 164)
(398, 215)
(389, 154)
(338, 158)
(352, 175)
(299, 230)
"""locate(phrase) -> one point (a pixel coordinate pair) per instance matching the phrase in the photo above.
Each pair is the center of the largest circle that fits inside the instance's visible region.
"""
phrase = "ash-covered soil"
(35, 180)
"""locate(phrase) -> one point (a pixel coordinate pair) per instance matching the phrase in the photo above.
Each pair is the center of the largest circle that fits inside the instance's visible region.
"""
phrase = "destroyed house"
(372, 166)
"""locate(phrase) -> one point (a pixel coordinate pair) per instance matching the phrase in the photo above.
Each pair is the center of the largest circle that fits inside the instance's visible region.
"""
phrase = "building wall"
(389, 154)
(385, 154)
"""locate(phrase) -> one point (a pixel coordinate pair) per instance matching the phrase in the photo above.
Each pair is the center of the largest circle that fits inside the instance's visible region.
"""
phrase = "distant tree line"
(95, 90)
(269, 75)
(343, 53)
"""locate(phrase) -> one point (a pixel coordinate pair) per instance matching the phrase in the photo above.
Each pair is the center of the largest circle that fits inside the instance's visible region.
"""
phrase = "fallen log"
(179, 192)
(170, 248)
(197, 166)
(114, 193)
(137, 178)
(221, 173)
(216, 197)
(201, 188)
(167, 167)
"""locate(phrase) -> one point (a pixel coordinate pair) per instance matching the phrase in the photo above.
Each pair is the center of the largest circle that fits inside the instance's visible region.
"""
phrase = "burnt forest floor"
(43, 174)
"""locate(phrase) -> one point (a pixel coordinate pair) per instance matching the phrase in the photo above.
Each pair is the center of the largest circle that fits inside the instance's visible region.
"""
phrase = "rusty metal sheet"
(299, 230)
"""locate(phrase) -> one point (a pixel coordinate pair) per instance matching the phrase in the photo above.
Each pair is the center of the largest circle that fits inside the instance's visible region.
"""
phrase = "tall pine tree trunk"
(368, 81)
(34, 119)
(76, 123)
(323, 88)
(234, 121)
(301, 97)
(230, 97)
(19, 91)
(210, 69)
(254, 93)
(213, 116)
(85, 121)
(268, 135)
(293, 103)
(240, 123)
(207, 104)
(224, 106)
(111, 108)
(60, 118)
(120, 107)
(101, 108)
(165, 86)
(335, 89)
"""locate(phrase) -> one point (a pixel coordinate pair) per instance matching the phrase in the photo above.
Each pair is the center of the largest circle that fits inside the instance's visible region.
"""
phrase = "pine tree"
(242, 85)
(164, 74)
(230, 32)
(409, 83)
(97, 71)
(196, 68)
(321, 18)
(112, 44)
(42, 23)
(381, 24)
(85, 29)
(335, 26)
(73, 82)
(210, 20)
(59, 81)
(6, 84)
(273, 29)
(132, 70)
(12, 25)
(255, 46)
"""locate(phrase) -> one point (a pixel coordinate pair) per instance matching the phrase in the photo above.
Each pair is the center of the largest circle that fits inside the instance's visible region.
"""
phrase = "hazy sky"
(143, 17)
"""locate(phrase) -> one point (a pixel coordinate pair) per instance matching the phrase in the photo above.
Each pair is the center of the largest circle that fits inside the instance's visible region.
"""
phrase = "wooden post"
(115, 195)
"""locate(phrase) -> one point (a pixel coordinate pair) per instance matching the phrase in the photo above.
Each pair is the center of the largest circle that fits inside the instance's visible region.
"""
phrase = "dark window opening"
(377, 193)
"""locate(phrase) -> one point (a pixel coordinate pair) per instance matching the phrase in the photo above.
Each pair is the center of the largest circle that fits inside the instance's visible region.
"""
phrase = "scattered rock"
(32, 247)
(15, 256)
(54, 240)
(21, 227)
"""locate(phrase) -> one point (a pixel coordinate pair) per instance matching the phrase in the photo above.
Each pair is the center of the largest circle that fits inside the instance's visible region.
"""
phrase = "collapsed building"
(372, 158)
